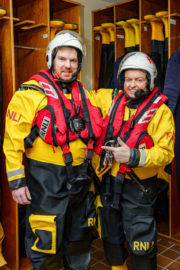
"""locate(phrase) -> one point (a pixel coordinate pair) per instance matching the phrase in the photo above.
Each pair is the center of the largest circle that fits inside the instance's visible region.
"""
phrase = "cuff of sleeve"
(134, 157)
(17, 183)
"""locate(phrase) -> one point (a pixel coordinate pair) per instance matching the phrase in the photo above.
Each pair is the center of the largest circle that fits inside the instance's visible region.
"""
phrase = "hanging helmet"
(66, 38)
(138, 60)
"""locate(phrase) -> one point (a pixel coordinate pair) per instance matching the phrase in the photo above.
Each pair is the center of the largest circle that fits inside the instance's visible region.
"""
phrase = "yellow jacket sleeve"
(19, 117)
(103, 99)
(162, 131)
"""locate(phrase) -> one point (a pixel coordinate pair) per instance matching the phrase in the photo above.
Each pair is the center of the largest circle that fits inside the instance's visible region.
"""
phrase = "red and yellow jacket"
(23, 107)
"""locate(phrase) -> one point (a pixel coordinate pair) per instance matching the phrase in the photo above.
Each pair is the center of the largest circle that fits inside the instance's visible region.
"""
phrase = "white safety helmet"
(138, 60)
(65, 38)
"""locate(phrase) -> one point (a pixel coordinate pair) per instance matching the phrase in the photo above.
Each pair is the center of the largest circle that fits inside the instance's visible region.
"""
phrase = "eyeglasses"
(137, 81)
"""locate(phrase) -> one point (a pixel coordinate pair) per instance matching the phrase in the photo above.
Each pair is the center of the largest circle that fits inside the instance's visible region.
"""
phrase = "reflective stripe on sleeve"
(143, 158)
(15, 173)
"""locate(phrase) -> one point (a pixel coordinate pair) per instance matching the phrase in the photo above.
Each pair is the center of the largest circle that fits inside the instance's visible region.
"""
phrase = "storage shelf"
(18, 26)
(38, 25)
(28, 48)
(175, 15)
(4, 18)
(27, 25)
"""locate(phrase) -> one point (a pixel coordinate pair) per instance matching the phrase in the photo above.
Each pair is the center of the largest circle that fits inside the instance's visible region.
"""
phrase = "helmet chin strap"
(56, 76)
(65, 85)
(74, 77)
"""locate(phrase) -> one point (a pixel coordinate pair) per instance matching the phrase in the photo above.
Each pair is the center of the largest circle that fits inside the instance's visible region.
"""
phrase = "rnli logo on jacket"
(44, 127)
(170, 135)
(91, 222)
(14, 116)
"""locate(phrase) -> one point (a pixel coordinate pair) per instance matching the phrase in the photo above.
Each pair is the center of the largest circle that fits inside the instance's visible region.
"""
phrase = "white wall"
(86, 27)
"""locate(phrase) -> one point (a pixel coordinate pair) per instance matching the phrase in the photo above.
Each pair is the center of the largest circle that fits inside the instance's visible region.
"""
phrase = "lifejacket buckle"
(68, 159)
(77, 124)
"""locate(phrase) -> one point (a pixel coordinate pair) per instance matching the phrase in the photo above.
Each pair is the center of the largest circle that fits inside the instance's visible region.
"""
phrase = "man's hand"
(21, 195)
(121, 154)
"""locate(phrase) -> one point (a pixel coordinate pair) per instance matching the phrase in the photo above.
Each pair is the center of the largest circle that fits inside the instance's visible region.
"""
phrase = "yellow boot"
(156, 26)
(70, 26)
(104, 34)
(56, 25)
(135, 24)
(110, 28)
(2, 11)
(163, 15)
(120, 267)
(129, 34)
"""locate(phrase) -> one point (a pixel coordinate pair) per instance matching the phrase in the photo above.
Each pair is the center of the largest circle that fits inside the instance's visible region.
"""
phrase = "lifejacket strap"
(117, 190)
(114, 93)
(107, 181)
(29, 140)
(89, 150)
(68, 159)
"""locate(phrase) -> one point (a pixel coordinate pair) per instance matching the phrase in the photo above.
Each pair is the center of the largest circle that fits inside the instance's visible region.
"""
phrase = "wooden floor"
(168, 255)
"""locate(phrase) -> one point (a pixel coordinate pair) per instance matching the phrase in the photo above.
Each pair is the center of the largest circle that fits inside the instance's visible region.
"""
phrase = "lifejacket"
(61, 122)
(133, 131)
(54, 121)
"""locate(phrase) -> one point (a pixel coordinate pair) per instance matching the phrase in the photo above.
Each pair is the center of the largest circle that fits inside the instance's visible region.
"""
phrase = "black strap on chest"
(85, 111)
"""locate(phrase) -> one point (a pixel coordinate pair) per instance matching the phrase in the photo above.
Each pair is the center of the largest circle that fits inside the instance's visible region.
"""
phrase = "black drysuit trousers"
(132, 228)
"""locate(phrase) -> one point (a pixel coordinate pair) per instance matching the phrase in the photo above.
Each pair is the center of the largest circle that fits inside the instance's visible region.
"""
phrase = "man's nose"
(67, 63)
